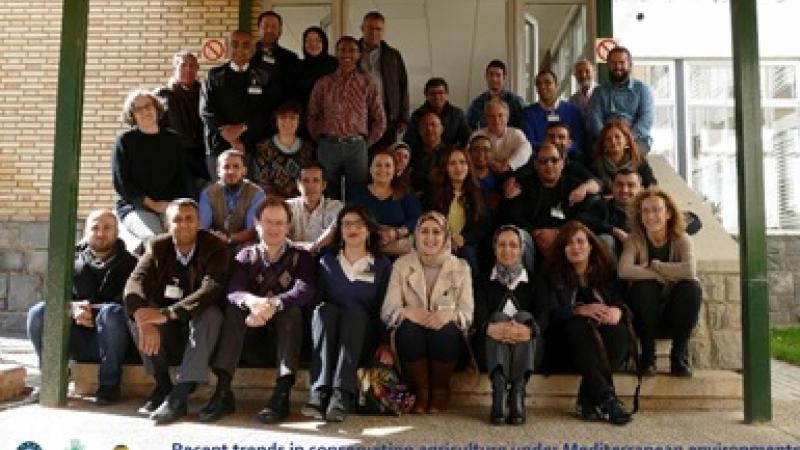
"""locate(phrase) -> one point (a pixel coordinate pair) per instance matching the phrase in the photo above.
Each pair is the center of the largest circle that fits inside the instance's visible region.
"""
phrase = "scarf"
(439, 258)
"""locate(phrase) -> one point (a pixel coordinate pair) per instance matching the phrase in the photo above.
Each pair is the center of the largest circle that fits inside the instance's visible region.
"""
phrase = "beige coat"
(452, 290)
(634, 261)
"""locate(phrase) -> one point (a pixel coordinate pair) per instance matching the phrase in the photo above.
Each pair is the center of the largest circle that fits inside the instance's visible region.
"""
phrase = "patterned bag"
(380, 391)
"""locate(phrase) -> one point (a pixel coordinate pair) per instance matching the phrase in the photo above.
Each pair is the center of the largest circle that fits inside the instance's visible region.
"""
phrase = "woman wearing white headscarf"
(429, 305)
(512, 309)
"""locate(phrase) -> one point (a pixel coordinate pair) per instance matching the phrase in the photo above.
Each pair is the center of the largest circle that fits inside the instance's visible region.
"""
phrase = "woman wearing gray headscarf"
(512, 308)
(429, 305)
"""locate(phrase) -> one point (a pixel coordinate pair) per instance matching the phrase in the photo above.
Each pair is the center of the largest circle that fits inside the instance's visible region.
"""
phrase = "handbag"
(381, 392)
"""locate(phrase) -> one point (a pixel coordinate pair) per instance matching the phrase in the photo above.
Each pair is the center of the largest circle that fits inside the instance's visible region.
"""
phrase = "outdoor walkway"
(102, 428)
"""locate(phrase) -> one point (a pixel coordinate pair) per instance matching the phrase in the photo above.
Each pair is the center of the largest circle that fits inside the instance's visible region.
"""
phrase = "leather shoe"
(221, 403)
(171, 410)
(155, 399)
(614, 412)
(316, 406)
(106, 395)
(516, 403)
(276, 410)
(338, 406)
(588, 411)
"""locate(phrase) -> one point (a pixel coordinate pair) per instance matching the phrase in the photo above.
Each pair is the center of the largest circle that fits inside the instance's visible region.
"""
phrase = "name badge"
(254, 90)
(173, 292)
(557, 213)
(553, 117)
(268, 59)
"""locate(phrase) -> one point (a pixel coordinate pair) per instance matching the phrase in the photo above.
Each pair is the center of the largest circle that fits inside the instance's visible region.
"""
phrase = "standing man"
(624, 98)
(270, 282)
(236, 101)
(99, 329)
(345, 116)
(584, 75)
(495, 82)
(228, 207)
(549, 109)
(456, 131)
(313, 214)
(386, 68)
(182, 96)
(283, 61)
(172, 297)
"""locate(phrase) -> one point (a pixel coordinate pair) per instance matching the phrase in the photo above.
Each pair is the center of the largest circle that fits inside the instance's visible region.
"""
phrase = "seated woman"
(429, 305)
(664, 292)
(588, 324)
(512, 309)
(278, 159)
(402, 158)
(395, 207)
(148, 167)
(456, 194)
(616, 149)
(345, 328)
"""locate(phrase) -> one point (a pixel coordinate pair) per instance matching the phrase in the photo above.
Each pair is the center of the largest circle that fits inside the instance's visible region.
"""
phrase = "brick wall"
(130, 44)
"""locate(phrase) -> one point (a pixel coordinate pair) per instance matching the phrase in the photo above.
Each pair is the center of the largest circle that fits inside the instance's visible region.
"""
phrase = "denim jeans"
(108, 342)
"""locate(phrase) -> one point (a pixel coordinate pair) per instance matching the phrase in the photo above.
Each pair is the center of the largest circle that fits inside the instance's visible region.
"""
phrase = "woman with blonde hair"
(664, 293)
(429, 306)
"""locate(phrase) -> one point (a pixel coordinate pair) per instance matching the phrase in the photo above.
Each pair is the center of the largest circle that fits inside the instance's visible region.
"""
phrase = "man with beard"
(228, 207)
(622, 98)
(426, 156)
(182, 95)
(99, 331)
(282, 61)
(608, 218)
(172, 298)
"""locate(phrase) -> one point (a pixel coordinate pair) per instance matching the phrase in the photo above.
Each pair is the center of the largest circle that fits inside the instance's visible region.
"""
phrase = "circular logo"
(29, 445)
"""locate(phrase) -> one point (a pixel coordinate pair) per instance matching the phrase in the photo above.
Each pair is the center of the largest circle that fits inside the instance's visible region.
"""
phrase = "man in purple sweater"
(270, 282)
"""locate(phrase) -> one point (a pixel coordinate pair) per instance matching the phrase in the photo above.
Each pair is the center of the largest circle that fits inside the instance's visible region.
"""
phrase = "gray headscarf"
(507, 274)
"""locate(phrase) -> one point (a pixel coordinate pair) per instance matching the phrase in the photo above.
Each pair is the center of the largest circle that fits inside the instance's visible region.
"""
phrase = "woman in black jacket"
(512, 309)
(316, 63)
(457, 195)
(589, 318)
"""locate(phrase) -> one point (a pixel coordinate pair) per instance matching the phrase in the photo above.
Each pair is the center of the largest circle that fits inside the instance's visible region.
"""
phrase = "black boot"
(107, 395)
(614, 412)
(679, 365)
(221, 404)
(160, 392)
(499, 398)
(317, 404)
(647, 360)
(586, 407)
(175, 405)
(516, 402)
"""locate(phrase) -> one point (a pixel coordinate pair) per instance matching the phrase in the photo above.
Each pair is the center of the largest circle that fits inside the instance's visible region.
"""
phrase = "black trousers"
(240, 342)
(594, 362)
(415, 342)
(188, 344)
(664, 311)
(342, 338)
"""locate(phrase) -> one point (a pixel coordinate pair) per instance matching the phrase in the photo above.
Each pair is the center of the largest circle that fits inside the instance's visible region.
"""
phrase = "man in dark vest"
(228, 207)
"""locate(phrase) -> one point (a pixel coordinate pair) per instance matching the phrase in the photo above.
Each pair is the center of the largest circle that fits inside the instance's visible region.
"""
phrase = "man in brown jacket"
(172, 298)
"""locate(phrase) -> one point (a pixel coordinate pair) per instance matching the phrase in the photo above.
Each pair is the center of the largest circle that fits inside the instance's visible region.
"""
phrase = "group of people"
(516, 238)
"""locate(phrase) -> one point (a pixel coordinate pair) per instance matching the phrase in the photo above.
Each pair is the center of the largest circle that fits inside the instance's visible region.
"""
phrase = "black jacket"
(533, 296)
(395, 83)
(104, 282)
(604, 215)
(456, 130)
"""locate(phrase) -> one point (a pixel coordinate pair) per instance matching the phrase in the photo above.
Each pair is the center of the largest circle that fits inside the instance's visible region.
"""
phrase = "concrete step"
(12, 381)
(707, 390)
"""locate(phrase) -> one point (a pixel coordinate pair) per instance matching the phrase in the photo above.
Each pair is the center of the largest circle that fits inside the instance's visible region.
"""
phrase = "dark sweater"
(101, 282)
(533, 296)
(148, 165)
(290, 279)
(390, 211)
(456, 130)
(334, 287)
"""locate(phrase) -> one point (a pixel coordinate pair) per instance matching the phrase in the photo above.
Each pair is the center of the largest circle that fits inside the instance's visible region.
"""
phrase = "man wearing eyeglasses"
(270, 282)
(543, 202)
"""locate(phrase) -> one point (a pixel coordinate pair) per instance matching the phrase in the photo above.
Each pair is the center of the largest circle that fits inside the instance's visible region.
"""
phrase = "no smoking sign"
(213, 49)
(602, 46)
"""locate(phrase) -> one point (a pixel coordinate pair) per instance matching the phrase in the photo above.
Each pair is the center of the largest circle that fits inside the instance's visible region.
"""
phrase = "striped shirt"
(346, 105)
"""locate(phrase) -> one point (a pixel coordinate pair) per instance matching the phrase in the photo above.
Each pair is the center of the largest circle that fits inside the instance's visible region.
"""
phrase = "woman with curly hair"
(616, 149)
(589, 319)
(664, 294)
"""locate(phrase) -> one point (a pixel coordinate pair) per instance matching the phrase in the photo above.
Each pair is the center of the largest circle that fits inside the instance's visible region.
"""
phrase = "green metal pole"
(752, 241)
(64, 201)
(245, 14)
(605, 28)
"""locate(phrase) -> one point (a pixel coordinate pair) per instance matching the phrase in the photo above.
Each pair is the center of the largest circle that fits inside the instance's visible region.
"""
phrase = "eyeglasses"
(353, 224)
(551, 160)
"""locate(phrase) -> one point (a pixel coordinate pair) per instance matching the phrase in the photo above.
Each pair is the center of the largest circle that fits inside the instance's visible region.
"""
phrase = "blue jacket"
(534, 124)
(632, 102)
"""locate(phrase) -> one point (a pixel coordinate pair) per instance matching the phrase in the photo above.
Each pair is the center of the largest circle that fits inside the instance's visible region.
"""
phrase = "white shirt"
(512, 147)
(522, 277)
(308, 226)
(359, 270)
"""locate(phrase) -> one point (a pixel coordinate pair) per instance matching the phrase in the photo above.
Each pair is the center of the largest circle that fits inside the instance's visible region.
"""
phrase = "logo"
(29, 445)
(75, 444)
